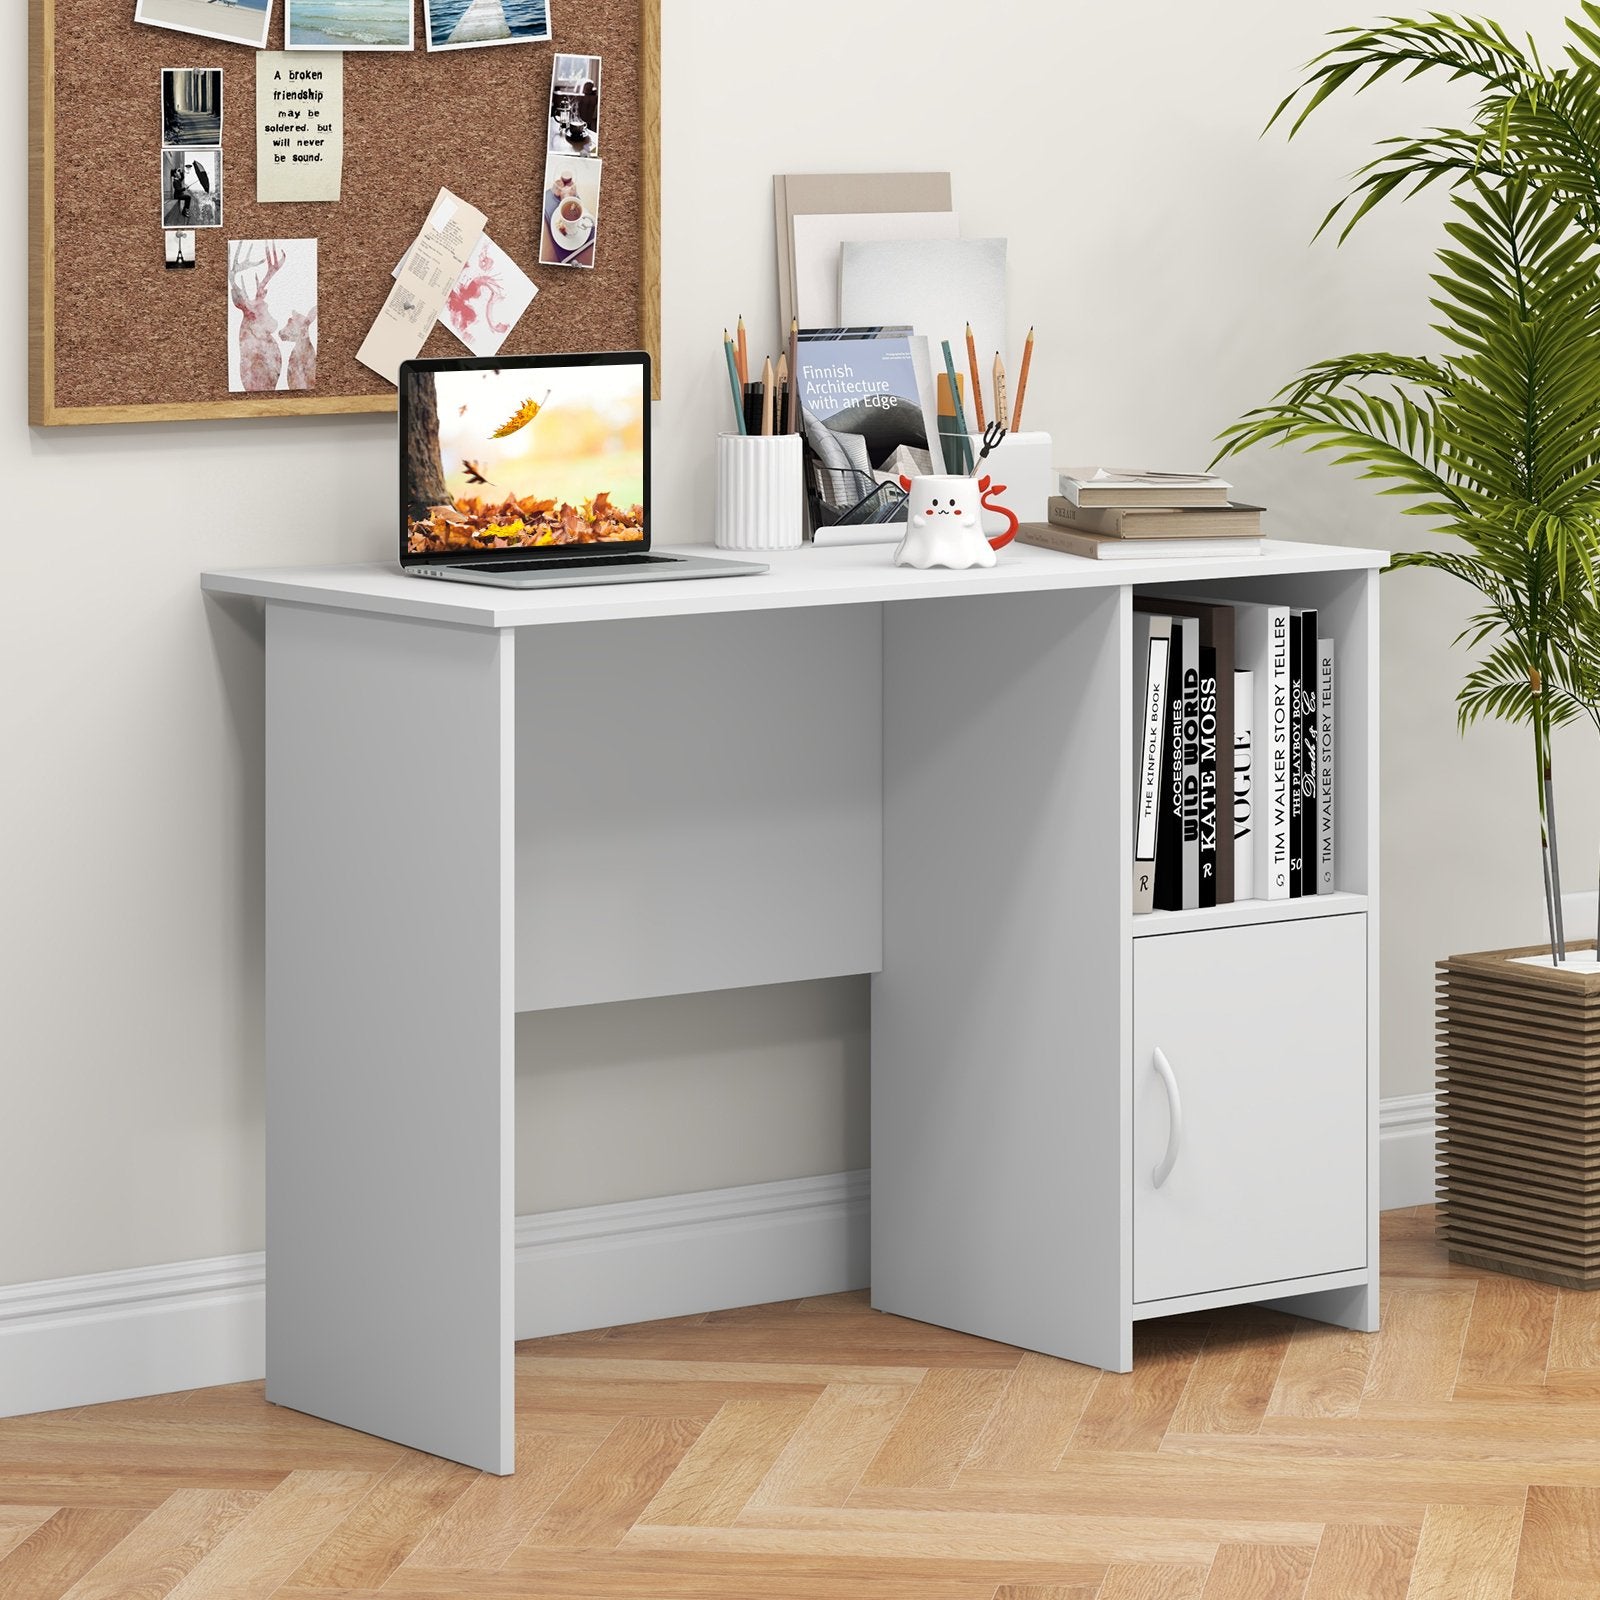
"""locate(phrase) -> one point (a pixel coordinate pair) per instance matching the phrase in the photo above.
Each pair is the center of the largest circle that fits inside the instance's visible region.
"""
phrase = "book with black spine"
(1209, 775)
(1244, 843)
(1152, 646)
(1327, 858)
(1309, 750)
(1219, 630)
(1191, 765)
(1169, 836)
(1297, 760)
(1263, 645)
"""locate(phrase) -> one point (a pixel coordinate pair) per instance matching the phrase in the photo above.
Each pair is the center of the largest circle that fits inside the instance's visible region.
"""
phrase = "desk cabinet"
(1249, 1106)
(1019, 1115)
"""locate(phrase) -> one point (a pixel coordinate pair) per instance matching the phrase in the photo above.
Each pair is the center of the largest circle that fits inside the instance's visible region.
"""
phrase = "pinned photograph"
(575, 106)
(191, 188)
(180, 248)
(191, 106)
(238, 21)
(571, 211)
(467, 24)
(272, 314)
(347, 25)
(488, 299)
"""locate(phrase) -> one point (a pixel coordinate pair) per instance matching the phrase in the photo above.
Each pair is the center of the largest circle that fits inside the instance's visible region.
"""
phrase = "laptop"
(533, 472)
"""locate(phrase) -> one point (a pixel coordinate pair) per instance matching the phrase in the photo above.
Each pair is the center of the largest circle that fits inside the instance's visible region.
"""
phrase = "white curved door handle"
(1169, 1081)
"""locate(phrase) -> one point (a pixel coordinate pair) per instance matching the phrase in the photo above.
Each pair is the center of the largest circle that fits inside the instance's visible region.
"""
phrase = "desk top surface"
(850, 575)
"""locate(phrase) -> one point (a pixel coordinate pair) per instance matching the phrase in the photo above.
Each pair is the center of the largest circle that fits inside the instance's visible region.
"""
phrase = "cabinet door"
(1250, 1074)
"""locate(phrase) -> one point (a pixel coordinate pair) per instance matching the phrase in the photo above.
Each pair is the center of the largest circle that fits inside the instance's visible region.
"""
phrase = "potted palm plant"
(1497, 443)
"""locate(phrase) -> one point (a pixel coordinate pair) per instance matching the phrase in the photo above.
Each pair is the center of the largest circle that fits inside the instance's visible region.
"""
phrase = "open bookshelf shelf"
(1246, 913)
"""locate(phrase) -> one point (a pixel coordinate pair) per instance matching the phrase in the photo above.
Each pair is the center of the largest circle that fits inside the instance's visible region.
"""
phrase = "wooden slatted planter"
(1519, 1117)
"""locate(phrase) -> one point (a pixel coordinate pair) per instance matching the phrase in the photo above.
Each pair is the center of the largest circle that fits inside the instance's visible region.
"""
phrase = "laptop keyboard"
(602, 563)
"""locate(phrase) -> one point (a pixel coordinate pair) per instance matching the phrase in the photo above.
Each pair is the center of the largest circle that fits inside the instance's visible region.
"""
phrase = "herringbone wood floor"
(818, 1451)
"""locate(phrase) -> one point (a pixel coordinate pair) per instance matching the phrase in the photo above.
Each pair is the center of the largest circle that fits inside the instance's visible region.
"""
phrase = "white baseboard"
(114, 1335)
(605, 1265)
(1405, 1152)
(154, 1330)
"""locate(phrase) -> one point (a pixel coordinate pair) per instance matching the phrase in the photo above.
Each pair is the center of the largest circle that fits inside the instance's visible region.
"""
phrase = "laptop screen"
(521, 457)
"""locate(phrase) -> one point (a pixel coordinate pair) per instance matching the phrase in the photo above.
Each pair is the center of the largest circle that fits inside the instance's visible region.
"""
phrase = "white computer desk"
(480, 802)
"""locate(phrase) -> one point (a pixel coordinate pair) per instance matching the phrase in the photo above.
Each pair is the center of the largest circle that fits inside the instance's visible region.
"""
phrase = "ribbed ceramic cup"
(760, 499)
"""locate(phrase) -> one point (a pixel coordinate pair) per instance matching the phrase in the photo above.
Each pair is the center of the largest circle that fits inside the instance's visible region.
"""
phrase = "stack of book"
(1119, 514)
(1235, 754)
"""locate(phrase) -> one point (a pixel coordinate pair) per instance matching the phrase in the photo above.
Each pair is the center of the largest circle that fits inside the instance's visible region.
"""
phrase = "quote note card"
(299, 125)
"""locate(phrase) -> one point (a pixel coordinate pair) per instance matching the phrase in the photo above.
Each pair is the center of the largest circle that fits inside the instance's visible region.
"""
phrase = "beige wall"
(1162, 250)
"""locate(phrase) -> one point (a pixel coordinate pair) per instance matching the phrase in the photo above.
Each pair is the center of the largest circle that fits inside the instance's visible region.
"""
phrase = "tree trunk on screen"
(424, 468)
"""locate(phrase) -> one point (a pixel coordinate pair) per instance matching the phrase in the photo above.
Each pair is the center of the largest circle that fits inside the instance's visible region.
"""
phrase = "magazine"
(867, 416)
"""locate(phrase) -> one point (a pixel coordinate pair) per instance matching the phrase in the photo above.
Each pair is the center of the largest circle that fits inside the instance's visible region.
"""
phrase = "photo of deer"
(272, 314)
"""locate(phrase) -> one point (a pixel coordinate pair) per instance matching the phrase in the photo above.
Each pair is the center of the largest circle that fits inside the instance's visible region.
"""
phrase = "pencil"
(733, 378)
(955, 389)
(977, 382)
(794, 375)
(786, 400)
(744, 355)
(1022, 383)
(999, 390)
(769, 390)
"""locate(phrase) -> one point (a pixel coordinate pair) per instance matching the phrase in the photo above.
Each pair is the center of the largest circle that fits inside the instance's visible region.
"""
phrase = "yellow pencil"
(742, 350)
(999, 390)
(1022, 383)
(768, 391)
(794, 375)
(977, 382)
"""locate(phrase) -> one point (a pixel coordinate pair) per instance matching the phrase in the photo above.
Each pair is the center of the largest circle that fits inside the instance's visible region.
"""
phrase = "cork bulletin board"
(114, 337)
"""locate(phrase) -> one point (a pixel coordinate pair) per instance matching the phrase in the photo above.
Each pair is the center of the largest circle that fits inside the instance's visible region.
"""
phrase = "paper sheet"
(819, 236)
(429, 272)
(299, 125)
(937, 285)
(799, 193)
(488, 299)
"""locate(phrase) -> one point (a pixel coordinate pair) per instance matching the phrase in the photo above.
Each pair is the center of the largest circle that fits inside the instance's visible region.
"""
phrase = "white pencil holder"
(760, 500)
(1021, 461)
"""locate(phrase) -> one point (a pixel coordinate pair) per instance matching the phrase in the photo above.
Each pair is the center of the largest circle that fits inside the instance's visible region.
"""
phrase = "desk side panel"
(389, 1029)
(700, 804)
(999, 1114)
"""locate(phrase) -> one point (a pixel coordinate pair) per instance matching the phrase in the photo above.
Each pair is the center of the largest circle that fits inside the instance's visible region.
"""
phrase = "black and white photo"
(191, 188)
(180, 248)
(575, 106)
(191, 106)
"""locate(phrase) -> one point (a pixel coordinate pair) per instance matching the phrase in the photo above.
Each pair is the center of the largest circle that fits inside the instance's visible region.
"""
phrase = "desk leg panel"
(1000, 1112)
(390, 1028)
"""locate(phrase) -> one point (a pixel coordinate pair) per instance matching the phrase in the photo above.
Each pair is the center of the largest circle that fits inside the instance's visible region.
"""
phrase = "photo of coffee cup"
(571, 211)
(572, 221)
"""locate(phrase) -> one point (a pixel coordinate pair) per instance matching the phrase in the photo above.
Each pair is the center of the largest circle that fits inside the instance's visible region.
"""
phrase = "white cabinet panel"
(1250, 1082)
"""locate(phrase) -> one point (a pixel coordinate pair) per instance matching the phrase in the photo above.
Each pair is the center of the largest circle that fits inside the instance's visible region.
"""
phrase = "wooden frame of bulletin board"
(115, 337)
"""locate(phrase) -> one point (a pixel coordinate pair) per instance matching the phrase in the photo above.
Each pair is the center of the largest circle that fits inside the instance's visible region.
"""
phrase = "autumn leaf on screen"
(521, 417)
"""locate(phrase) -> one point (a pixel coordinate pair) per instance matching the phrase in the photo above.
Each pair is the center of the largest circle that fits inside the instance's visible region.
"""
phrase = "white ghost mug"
(944, 522)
